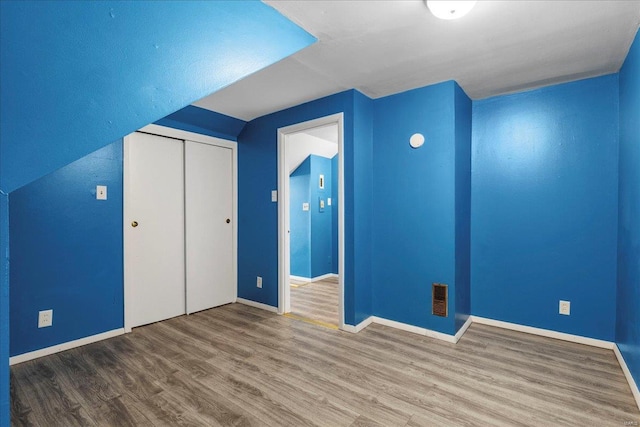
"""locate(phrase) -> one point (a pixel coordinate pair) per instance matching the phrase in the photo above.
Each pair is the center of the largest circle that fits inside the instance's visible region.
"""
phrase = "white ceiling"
(301, 145)
(386, 47)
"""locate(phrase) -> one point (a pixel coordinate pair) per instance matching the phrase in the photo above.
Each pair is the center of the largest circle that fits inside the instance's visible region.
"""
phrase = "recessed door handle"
(134, 224)
(228, 220)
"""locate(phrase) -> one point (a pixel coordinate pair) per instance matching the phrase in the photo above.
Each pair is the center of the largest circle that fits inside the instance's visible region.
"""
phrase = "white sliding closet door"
(209, 228)
(154, 228)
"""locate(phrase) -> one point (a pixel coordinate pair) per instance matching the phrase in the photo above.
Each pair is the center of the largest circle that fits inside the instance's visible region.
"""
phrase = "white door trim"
(284, 301)
(185, 136)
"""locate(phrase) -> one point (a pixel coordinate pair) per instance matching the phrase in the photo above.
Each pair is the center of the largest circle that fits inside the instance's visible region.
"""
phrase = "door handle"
(228, 220)
(134, 224)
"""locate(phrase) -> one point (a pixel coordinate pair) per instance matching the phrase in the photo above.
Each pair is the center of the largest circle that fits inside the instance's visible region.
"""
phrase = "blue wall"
(4, 309)
(300, 220)
(205, 122)
(311, 231)
(66, 253)
(544, 207)
(358, 205)
(257, 176)
(628, 302)
(463, 207)
(321, 226)
(414, 219)
(66, 95)
(334, 215)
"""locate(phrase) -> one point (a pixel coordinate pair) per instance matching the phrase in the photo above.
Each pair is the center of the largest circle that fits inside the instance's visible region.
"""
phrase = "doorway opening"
(311, 221)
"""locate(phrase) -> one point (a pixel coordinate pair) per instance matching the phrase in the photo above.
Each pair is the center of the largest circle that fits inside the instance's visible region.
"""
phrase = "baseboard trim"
(463, 329)
(409, 328)
(627, 374)
(415, 329)
(360, 326)
(64, 346)
(257, 305)
(544, 332)
(313, 279)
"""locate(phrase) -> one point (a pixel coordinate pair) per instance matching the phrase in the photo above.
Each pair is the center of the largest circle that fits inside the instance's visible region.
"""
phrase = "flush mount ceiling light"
(450, 9)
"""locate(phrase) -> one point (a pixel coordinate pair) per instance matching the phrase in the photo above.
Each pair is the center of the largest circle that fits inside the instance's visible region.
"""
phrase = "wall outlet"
(565, 307)
(259, 282)
(45, 318)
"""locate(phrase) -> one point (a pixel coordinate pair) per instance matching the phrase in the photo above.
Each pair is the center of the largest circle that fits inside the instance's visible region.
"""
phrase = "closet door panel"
(154, 228)
(209, 228)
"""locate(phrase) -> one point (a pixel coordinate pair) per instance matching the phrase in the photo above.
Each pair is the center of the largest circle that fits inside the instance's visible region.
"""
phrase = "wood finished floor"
(316, 300)
(241, 366)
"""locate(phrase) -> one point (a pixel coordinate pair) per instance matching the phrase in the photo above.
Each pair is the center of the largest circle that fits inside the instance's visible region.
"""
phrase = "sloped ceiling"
(386, 47)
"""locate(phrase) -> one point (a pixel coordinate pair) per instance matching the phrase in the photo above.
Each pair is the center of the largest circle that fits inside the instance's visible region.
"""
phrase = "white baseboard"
(627, 374)
(313, 279)
(463, 329)
(257, 305)
(408, 328)
(360, 326)
(544, 332)
(415, 329)
(64, 346)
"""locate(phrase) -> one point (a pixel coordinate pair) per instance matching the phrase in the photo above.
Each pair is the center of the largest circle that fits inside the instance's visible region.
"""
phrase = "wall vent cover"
(439, 299)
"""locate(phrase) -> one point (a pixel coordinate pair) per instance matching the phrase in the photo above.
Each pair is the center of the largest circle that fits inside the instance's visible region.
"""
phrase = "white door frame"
(284, 249)
(185, 136)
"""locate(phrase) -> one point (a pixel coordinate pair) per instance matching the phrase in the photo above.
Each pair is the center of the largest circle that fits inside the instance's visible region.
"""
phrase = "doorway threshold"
(312, 321)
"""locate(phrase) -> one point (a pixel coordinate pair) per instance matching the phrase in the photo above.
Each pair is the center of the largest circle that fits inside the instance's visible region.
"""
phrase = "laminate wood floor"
(240, 366)
(316, 300)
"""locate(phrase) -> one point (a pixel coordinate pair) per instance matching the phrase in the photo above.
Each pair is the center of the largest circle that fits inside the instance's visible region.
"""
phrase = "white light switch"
(101, 192)
(305, 206)
(328, 201)
(274, 195)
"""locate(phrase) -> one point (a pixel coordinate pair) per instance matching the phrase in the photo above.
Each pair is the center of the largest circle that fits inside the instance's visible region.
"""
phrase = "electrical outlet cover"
(45, 318)
(565, 307)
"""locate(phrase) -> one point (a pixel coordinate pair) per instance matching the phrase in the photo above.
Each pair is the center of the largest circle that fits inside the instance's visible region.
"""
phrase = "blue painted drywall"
(311, 231)
(358, 174)
(628, 297)
(77, 76)
(300, 220)
(205, 122)
(334, 214)
(66, 253)
(4, 309)
(414, 220)
(257, 176)
(321, 228)
(462, 206)
(544, 207)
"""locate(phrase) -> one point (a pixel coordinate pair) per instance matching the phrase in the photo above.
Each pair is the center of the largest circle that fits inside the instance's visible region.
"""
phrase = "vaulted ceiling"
(386, 47)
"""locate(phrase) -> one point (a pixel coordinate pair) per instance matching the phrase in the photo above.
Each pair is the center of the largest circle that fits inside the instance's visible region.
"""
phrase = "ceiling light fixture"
(450, 9)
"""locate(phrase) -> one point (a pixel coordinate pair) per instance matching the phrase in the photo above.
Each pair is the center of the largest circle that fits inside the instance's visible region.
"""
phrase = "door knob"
(134, 224)
(228, 220)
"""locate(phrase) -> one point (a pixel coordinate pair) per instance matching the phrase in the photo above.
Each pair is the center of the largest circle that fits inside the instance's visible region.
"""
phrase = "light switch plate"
(328, 201)
(101, 192)
(305, 206)
(274, 195)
